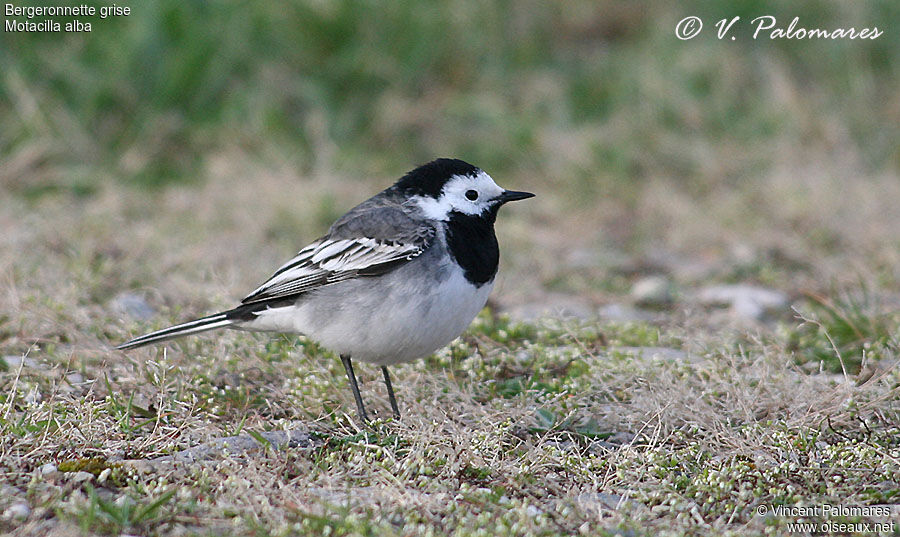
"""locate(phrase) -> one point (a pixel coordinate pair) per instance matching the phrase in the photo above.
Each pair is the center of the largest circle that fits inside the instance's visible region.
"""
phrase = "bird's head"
(446, 186)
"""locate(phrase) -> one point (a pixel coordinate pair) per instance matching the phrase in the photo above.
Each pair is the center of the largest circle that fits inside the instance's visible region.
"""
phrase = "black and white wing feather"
(329, 261)
(373, 238)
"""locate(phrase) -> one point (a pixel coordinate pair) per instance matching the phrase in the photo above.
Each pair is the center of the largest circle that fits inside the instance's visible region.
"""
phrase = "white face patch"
(463, 193)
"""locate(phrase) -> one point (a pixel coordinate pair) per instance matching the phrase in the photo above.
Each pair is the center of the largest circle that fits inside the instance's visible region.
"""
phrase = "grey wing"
(348, 251)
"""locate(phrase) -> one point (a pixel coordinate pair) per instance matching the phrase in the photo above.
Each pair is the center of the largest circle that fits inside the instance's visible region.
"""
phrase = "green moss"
(93, 465)
(118, 474)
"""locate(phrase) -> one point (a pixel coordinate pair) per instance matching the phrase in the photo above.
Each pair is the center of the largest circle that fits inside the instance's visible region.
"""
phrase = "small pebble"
(104, 475)
(593, 500)
(49, 470)
(745, 301)
(625, 313)
(664, 353)
(17, 511)
(80, 477)
(34, 397)
(132, 305)
(652, 291)
(552, 305)
(15, 362)
(75, 378)
(582, 258)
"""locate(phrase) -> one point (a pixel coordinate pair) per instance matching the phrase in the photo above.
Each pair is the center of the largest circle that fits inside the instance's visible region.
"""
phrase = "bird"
(397, 277)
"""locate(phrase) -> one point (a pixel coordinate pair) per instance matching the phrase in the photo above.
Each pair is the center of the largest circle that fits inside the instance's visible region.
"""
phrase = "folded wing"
(373, 238)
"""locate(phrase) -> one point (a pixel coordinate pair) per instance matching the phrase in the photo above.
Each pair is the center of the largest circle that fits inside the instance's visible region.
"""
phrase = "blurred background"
(181, 152)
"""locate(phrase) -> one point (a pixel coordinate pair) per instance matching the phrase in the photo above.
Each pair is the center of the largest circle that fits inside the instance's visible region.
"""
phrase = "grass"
(121, 514)
(853, 325)
(550, 427)
(175, 156)
(545, 428)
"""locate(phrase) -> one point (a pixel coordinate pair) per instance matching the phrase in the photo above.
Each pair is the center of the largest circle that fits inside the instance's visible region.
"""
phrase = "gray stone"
(652, 291)
(75, 378)
(132, 305)
(33, 397)
(582, 258)
(557, 306)
(593, 500)
(666, 353)
(744, 301)
(104, 475)
(621, 438)
(17, 511)
(235, 445)
(81, 477)
(15, 362)
(625, 313)
(743, 254)
(49, 470)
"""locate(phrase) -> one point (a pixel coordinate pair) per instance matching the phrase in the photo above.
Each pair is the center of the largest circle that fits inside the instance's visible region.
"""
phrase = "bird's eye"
(471, 195)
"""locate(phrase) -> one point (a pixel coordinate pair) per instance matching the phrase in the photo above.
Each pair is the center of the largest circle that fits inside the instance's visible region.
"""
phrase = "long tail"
(212, 322)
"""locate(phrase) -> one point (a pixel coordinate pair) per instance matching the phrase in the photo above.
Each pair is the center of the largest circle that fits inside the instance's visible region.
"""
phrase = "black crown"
(429, 179)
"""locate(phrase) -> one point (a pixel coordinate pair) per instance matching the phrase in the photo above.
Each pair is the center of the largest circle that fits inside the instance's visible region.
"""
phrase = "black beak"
(512, 195)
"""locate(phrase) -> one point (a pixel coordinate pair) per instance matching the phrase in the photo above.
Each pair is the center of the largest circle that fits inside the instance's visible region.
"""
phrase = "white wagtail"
(396, 278)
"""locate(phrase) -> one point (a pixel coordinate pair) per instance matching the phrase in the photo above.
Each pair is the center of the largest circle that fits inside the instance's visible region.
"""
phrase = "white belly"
(387, 319)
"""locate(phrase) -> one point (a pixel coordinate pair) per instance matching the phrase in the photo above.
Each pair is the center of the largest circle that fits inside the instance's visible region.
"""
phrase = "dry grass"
(558, 427)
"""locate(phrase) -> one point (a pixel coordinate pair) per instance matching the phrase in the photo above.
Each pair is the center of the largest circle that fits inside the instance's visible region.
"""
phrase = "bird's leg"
(345, 359)
(387, 382)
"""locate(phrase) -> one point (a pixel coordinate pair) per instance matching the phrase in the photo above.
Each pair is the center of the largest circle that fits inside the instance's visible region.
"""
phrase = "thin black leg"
(345, 359)
(387, 382)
